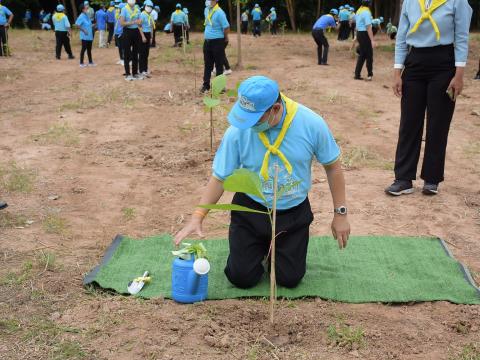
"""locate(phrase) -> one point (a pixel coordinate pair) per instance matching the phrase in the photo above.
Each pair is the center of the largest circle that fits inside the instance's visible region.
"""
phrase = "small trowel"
(137, 284)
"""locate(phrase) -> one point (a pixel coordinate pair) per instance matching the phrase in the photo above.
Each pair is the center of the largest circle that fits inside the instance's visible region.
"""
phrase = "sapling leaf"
(210, 103)
(232, 93)
(218, 84)
(244, 181)
(231, 207)
(285, 188)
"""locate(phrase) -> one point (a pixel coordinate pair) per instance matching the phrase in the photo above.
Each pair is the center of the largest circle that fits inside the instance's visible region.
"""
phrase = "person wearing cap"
(377, 25)
(244, 19)
(101, 21)
(178, 23)
(63, 32)
(147, 27)
(352, 22)
(187, 25)
(86, 35)
(118, 31)
(391, 30)
(91, 16)
(257, 20)
(365, 40)
(344, 17)
(431, 52)
(272, 20)
(110, 22)
(154, 14)
(6, 18)
(132, 37)
(45, 18)
(216, 40)
(269, 131)
(318, 33)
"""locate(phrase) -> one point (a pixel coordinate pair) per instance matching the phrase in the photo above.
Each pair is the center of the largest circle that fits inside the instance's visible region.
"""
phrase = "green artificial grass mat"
(371, 269)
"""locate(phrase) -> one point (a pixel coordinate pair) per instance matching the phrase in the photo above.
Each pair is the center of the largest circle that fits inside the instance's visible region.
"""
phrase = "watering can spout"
(201, 267)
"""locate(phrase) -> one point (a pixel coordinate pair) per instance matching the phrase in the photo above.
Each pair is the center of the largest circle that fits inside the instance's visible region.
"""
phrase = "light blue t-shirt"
(363, 20)
(325, 21)
(256, 14)
(111, 15)
(101, 19)
(61, 25)
(308, 137)
(130, 15)
(273, 16)
(215, 27)
(146, 22)
(84, 22)
(344, 15)
(453, 20)
(118, 29)
(4, 14)
(178, 18)
(376, 22)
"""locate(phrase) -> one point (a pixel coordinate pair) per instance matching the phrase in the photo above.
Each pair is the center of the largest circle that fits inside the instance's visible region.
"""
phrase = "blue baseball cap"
(256, 5)
(85, 3)
(112, 3)
(60, 7)
(178, 6)
(334, 11)
(148, 3)
(256, 95)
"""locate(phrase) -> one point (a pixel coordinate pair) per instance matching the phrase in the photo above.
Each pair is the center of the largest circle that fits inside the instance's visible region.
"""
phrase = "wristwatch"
(342, 210)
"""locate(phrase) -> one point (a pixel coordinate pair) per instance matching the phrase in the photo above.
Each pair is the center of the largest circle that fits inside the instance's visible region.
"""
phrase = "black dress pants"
(131, 45)
(427, 74)
(119, 45)
(322, 45)
(343, 31)
(62, 39)
(3, 40)
(144, 52)
(244, 27)
(86, 46)
(178, 34)
(111, 28)
(249, 240)
(213, 54)
(257, 28)
(273, 27)
(365, 53)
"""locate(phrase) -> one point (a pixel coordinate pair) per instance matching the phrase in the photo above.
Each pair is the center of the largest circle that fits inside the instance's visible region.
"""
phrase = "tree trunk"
(377, 8)
(74, 9)
(398, 9)
(291, 13)
(230, 11)
(319, 8)
(239, 38)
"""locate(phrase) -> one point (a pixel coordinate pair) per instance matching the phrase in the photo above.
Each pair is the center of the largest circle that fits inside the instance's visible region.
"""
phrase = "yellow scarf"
(362, 9)
(150, 20)
(427, 15)
(210, 14)
(58, 16)
(291, 107)
(111, 8)
(117, 13)
(130, 12)
(178, 11)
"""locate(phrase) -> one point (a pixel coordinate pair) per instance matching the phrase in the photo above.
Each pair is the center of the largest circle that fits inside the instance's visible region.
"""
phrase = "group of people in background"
(256, 15)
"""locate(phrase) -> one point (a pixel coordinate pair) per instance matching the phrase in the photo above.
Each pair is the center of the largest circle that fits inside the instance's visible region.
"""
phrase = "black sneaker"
(204, 90)
(400, 187)
(430, 189)
(477, 77)
(358, 78)
(3, 205)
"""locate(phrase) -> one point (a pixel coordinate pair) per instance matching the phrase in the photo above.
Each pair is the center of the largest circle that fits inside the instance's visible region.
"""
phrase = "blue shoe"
(400, 187)
(3, 205)
(430, 189)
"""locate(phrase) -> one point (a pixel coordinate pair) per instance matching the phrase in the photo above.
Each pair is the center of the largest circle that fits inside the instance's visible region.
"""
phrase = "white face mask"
(148, 9)
(208, 3)
(131, 2)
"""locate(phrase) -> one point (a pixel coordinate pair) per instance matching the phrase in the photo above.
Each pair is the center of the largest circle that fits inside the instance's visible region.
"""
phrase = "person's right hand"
(374, 44)
(397, 84)
(193, 226)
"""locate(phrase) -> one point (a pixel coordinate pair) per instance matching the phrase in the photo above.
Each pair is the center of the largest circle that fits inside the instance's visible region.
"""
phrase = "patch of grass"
(10, 75)
(54, 224)
(469, 352)
(9, 326)
(251, 67)
(386, 48)
(68, 350)
(345, 336)
(358, 157)
(472, 149)
(60, 134)
(47, 260)
(15, 178)
(18, 278)
(9, 220)
(104, 96)
(128, 213)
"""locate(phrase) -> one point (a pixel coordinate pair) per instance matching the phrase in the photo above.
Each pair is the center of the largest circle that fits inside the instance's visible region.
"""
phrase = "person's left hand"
(341, 230)
(456, 85)
(144, 40)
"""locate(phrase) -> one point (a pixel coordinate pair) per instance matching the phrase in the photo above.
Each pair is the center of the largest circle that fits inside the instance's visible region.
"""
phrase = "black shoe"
(324, 64)
(430, 189)
(400, 187)
(204, 90)
(358, 78)
(71, 57)
(477, 77)
(58, 58)
(3, 205)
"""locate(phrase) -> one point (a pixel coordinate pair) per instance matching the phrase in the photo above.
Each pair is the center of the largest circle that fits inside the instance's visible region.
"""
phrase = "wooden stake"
(273, 280)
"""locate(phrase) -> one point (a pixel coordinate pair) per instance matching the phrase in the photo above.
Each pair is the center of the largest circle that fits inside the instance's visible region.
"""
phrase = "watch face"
(342, 210)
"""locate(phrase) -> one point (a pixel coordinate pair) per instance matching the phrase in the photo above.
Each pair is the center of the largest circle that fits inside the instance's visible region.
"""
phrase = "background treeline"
(297, 14)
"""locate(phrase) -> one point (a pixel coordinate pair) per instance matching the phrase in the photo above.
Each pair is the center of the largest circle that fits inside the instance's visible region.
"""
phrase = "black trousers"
(62, 39)
(227, 64)
(257, 28)
(110, 28)
(344, 30)
(322, 45)
(250, 237)
(213, 54)
(119, 45)
(427, 74)
(273, 27)
(352, 29)
(144, 52)
(86, 46)
(131, 40)
(3, 40)
(177, 34)
(244, 27)
(154, 42)
(365, 53)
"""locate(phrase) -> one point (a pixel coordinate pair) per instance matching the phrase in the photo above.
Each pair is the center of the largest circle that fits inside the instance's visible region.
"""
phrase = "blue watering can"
(190, 280)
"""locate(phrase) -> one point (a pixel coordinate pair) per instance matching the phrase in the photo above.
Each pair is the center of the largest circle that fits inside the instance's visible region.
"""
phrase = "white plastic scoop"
(137, 284)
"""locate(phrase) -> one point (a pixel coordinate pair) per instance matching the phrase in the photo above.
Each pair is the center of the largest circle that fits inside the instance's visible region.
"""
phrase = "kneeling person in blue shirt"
(268, 130)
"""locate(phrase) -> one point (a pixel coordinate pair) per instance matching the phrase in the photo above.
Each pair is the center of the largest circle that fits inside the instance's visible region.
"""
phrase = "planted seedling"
(185, 253)
(248, 182)
(213, 100)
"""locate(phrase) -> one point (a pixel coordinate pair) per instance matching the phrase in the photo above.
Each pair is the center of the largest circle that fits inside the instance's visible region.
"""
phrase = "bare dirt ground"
(85, 155)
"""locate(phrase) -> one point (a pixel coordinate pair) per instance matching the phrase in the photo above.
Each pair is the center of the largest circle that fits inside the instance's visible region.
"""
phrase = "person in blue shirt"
(91, 16)
(257, 20)
(178, 22)
(344, 19)
(6, 18)
(86, 35)
(431, 52)
(187, 25)
(377, 25)
(272, 20)
(391, 30)
(45, 20)
(118, 31)
(268, 134)
(132, 38)
(147, 27)
(155, 13)
(352, 21)
(365, 40)
(318, 33)
(110, 22)
(244, 19)
(101, 21)
(62, 32)
(216, 39)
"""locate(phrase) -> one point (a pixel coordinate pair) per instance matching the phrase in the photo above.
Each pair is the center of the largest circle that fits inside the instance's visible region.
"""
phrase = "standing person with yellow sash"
(363, 20)
(132, 38)
(63, 32)
(178, 21)
(267, 130)
(430, 55)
